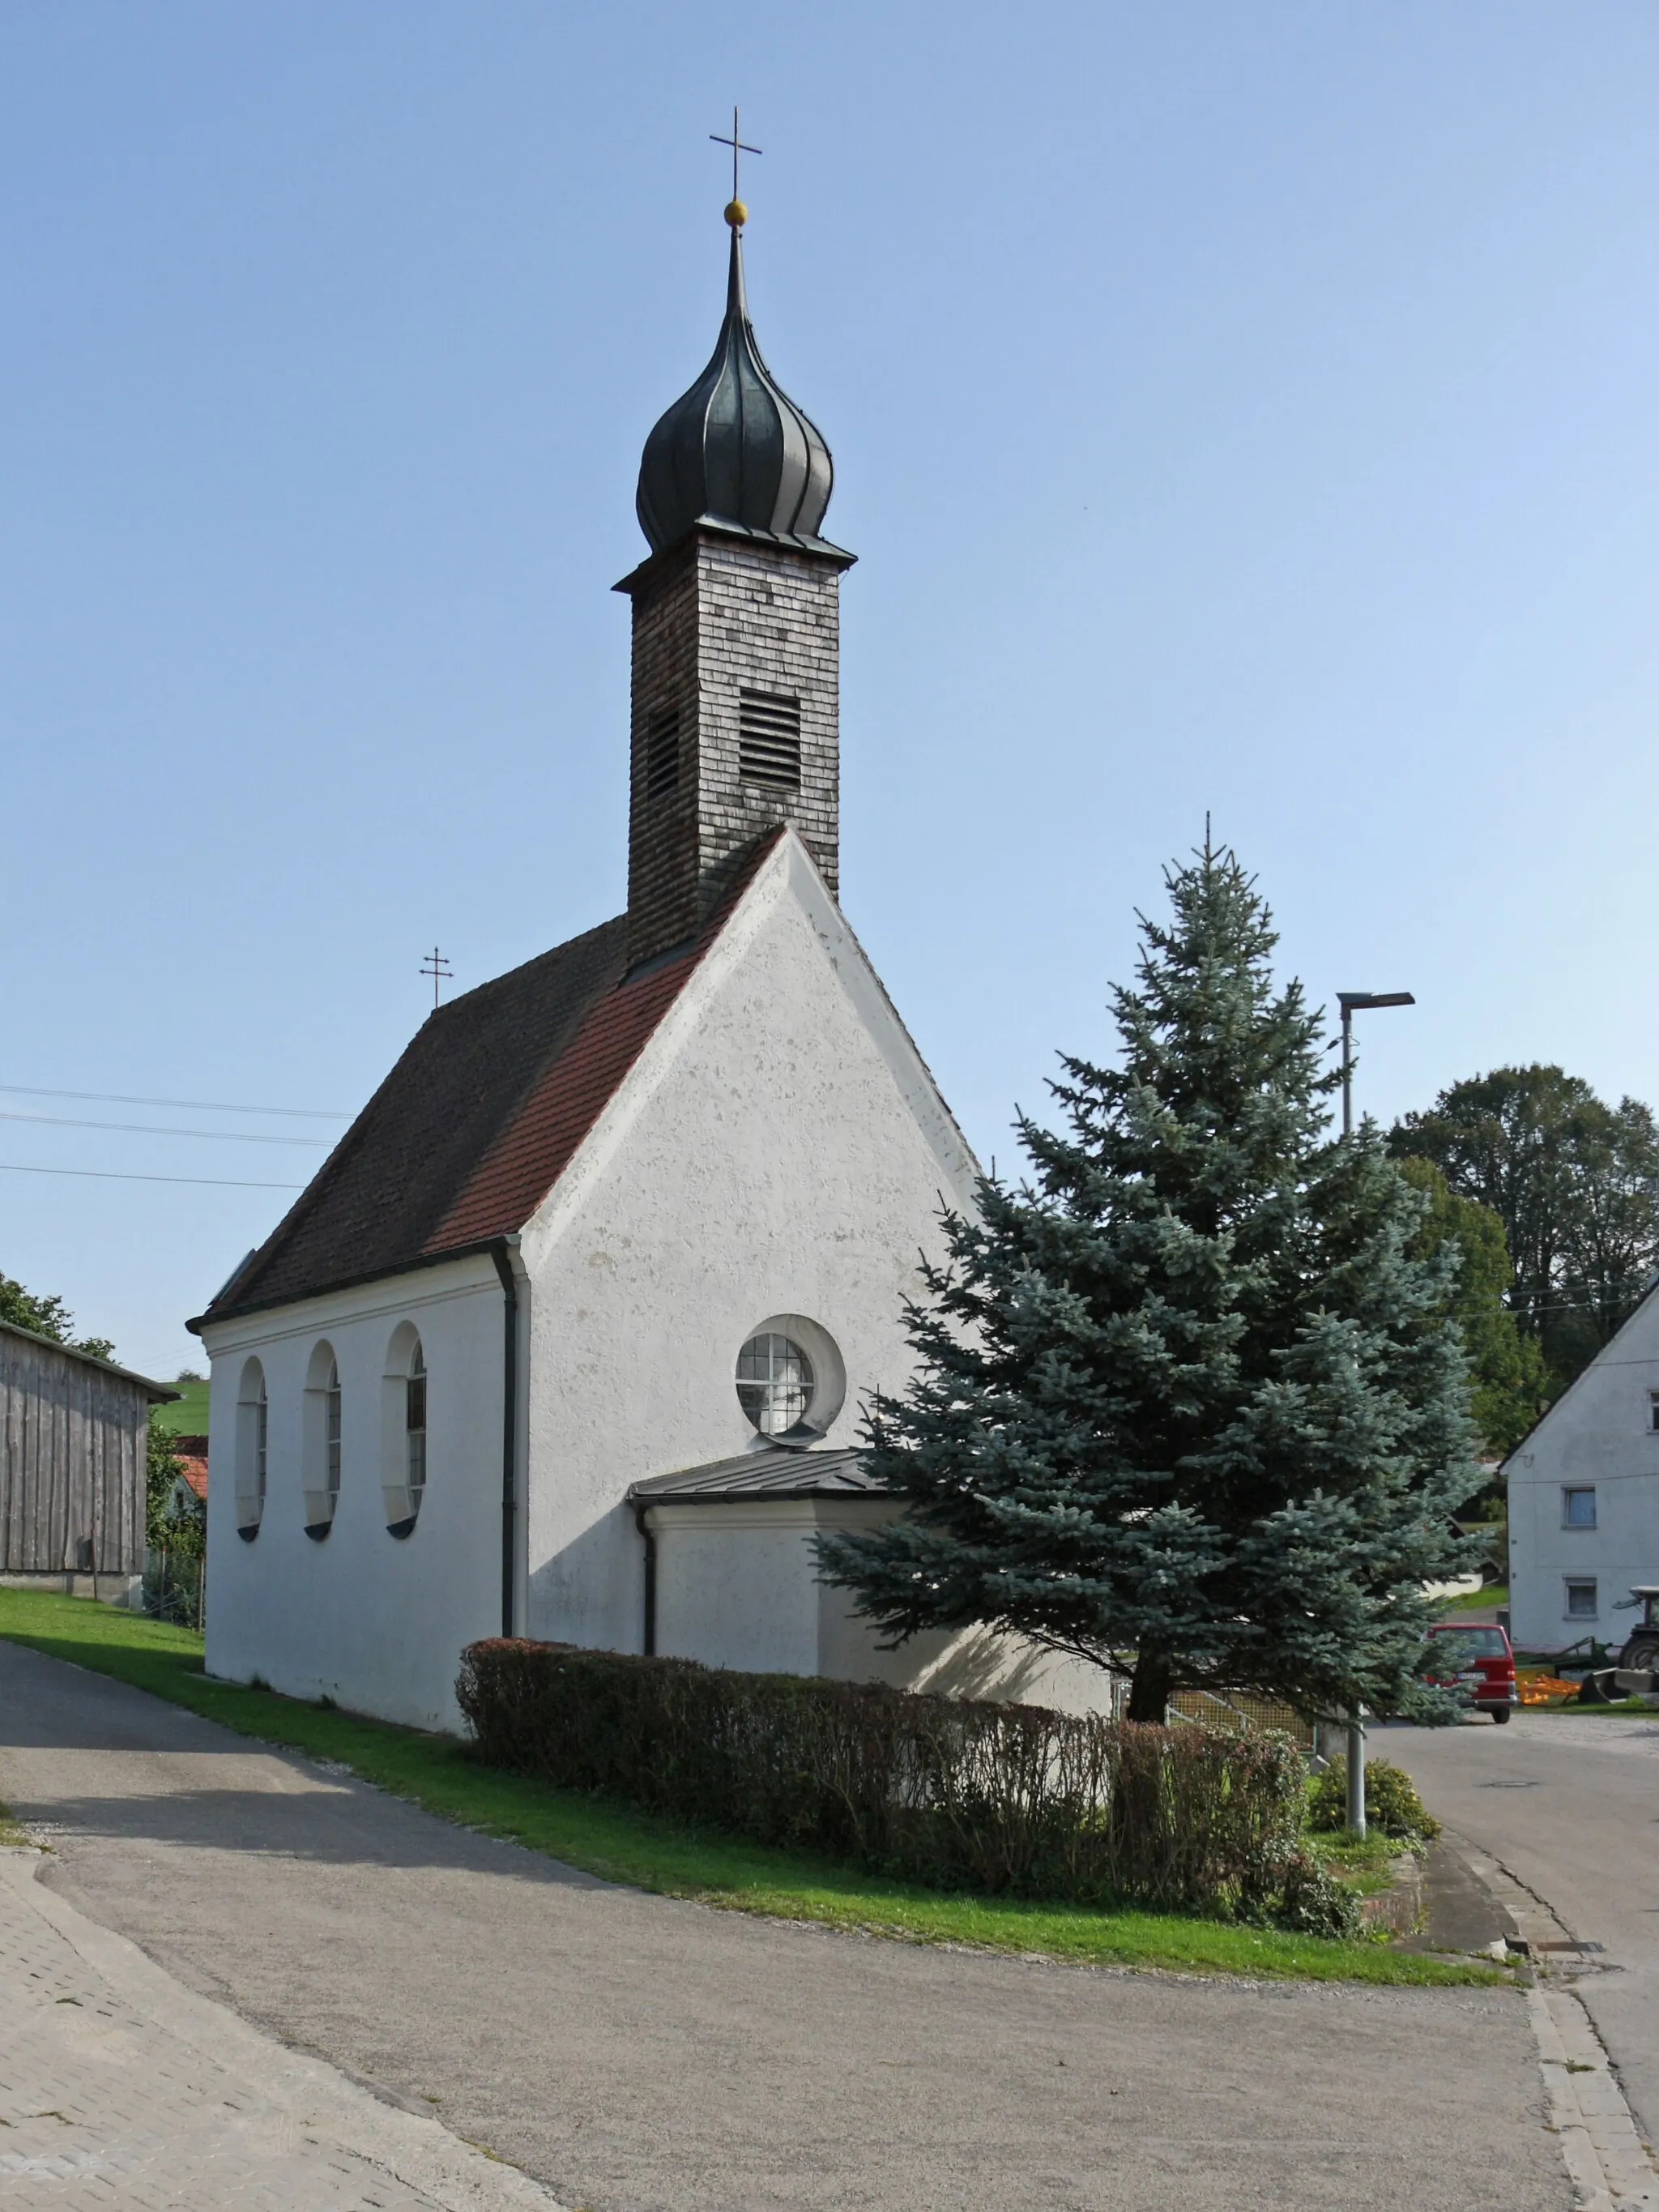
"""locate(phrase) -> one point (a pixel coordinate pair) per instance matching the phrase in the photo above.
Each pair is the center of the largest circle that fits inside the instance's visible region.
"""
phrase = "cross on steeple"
(438, 967)
(737, 212)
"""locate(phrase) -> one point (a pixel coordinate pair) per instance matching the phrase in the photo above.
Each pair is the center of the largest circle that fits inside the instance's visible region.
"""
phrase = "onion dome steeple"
(735, 453)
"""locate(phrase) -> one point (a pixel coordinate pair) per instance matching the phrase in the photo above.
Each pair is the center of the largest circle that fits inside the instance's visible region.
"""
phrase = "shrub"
(1392, 1806)
(1312, 1902)
(1003, 1800)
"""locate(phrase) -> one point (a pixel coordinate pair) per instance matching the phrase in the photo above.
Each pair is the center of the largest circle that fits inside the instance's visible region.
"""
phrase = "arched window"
(403, 1430)
(321, 1441)
(415, 1424)
(252, 1450)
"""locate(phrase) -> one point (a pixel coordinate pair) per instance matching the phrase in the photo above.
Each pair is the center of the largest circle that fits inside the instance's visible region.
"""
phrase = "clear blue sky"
(1248, 408)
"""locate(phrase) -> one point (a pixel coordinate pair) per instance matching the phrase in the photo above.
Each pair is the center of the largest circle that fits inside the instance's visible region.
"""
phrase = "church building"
(568, 1336)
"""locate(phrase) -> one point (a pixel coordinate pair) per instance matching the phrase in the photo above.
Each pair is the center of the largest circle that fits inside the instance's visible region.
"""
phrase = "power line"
(190, 1105)
(154, 1129)
(110, 1175)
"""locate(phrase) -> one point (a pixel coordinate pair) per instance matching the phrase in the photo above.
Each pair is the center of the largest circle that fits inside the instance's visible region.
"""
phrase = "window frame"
(802, 1386)
(322, 1440)
(1570, 1490)
(1573, 1584)
(405, 1450)
(252, 1444)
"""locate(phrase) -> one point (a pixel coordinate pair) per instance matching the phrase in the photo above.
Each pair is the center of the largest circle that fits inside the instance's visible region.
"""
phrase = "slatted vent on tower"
(662, 753)
(769, 739)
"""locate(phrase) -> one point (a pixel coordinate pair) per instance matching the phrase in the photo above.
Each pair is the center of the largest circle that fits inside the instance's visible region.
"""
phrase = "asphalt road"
(1570, 1804)
(641, 2055)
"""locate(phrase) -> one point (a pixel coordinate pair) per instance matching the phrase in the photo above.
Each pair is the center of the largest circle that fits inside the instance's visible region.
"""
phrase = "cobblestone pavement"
(110, 2097)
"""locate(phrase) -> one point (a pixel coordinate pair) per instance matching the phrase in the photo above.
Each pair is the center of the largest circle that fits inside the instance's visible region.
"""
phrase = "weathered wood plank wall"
(71, 1463)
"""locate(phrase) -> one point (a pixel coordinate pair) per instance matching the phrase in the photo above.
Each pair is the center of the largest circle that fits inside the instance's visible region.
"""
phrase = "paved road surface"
(641, 2055)
(1570, 1804)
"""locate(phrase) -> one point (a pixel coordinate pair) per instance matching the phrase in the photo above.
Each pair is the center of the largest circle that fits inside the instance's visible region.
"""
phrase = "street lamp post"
(1353, 1003)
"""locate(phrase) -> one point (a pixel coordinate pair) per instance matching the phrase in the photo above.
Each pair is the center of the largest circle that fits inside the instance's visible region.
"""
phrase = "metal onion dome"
(735, 451)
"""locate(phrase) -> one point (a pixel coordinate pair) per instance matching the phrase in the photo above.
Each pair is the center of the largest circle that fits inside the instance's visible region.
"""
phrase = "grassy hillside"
(188, 1416)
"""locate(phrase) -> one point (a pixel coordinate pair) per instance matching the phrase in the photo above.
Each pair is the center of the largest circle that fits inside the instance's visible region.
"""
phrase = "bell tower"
(736, 668)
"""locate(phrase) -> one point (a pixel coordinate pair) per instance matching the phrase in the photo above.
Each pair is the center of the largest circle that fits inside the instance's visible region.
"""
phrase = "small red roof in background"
(191, 1453)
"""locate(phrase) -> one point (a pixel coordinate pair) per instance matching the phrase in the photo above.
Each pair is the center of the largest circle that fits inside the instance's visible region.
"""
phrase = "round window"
(774, 1383)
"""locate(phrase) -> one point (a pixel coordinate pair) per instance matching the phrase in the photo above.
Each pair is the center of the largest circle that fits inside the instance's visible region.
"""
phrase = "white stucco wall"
(737, 1587)
(374, 1621)
(1597, 1434)
(779, 1149)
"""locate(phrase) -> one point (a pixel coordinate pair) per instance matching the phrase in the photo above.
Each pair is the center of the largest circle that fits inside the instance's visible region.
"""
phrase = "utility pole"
(1353, 1003)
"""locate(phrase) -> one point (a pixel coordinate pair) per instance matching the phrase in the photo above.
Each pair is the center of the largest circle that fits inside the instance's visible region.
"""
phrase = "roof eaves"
(158, 1393)
(1517, 1449)
(417, 1264)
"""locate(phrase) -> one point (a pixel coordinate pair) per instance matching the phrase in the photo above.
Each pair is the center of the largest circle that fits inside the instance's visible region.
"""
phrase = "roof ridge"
(481, 1113)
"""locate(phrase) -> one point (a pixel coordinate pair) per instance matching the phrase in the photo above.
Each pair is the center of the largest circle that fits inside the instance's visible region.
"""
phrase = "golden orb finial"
(736, 214)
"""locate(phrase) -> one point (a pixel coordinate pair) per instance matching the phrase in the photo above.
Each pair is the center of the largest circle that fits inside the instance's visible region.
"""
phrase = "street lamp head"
(1352, 1002)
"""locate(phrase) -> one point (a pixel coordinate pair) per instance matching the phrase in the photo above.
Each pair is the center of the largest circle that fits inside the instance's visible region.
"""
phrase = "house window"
(662, 753)
(769, 739)
(403, 1430)
(1653, 1410)
(319, 1442)
(1580, 1598)
(252, 1450)
(1578, 1506)
(415, 1427)
(774, 1383)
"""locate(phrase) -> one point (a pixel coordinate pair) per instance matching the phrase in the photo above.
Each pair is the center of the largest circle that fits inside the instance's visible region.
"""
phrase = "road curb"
(1607, 2161)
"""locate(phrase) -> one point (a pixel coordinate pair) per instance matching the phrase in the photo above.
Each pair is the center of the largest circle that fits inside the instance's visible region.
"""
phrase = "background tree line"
(1552, 1196)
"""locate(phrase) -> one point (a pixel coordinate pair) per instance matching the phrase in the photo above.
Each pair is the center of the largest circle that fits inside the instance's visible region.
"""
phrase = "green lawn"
(1481, 1600)
(188, 1415)
(438, 1773)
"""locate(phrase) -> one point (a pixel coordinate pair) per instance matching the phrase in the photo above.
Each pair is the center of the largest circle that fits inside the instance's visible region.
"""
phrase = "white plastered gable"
(1598, 1436)
(779, 1148)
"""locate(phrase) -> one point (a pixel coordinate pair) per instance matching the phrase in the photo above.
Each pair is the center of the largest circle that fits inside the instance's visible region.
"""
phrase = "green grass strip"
(439, 1774)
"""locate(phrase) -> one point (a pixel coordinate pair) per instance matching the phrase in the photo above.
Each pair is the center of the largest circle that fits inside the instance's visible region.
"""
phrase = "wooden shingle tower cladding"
(735, 721)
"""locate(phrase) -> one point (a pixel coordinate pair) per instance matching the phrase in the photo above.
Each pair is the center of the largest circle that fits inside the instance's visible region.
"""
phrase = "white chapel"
(568, 1337)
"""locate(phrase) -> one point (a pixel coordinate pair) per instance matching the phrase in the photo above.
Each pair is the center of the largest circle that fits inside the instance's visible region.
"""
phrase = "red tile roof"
(480, 1117)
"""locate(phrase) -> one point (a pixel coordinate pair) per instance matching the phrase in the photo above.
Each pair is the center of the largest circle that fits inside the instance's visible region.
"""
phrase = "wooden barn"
(72, 1438)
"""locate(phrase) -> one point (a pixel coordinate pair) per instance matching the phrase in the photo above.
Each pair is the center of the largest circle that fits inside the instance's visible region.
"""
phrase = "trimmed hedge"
(1001, 1800)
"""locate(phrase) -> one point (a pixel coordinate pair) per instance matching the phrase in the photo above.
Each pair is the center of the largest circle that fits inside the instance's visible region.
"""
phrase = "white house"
(566, 1338)
(1583, 1491)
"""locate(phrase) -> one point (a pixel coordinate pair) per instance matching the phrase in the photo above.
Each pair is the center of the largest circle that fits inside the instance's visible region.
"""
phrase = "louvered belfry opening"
(768, 738)
(662, 753)
(735, 720)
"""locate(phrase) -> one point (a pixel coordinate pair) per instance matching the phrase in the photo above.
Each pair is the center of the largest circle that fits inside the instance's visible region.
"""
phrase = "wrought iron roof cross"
(438, 969)
(736, 146)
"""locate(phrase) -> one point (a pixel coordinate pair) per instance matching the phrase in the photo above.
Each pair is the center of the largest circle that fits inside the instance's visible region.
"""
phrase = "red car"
(1477, 1659)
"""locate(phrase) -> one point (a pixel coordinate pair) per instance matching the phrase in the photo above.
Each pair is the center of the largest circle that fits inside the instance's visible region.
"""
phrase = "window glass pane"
(774, 1383)
(333, 1429)
(1454, 1645)
(1580, 1600)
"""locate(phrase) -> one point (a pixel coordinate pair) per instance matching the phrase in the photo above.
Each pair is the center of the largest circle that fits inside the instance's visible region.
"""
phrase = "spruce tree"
(1185, 1404)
